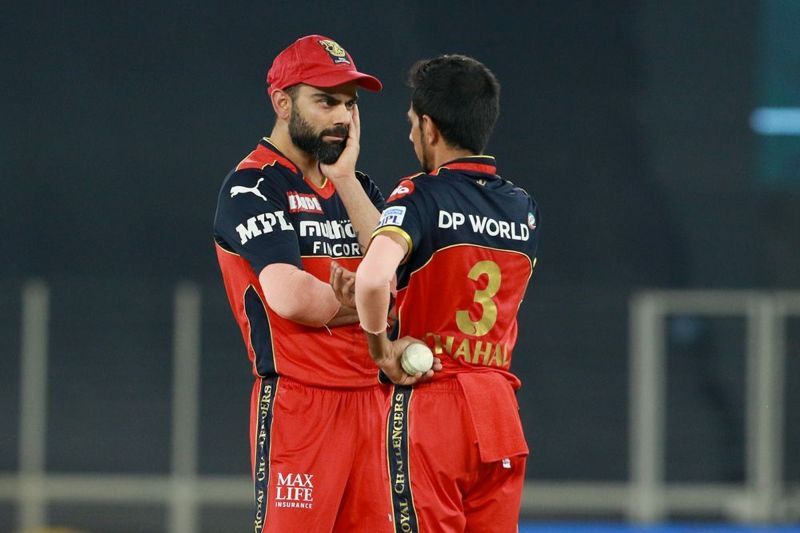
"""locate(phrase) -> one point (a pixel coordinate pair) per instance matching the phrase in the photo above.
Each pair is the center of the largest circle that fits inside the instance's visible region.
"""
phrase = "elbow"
(291, 311)
(297, 296)
(369, 285)
(306, 313)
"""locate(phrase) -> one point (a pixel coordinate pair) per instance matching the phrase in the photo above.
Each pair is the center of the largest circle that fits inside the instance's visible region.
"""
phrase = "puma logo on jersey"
(241, 189)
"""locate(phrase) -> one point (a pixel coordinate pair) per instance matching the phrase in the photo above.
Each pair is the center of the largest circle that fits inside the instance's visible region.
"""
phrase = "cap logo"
(337, 53)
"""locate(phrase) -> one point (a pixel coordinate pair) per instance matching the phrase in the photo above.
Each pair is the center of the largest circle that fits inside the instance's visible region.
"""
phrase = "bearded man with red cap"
(286, 215)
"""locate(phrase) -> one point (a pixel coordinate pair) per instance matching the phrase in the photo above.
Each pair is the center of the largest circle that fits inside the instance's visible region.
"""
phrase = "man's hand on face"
(345, 166)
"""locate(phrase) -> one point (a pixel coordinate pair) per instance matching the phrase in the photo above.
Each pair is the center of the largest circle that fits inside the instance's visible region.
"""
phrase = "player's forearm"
(344, 317)
(363, 214)
(373, 283)
(379, 346)
(372, 303)
(298, 296)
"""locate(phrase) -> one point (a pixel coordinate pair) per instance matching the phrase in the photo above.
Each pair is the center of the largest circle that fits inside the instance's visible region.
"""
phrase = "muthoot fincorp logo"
(295, 490)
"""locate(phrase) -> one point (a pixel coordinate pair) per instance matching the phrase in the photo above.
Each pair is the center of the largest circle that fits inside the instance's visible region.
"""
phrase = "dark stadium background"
(627, 120)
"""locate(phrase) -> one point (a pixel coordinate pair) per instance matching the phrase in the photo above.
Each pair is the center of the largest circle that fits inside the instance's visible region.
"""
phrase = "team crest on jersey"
(337, 53)
(303, 203)
(393, 216)
(405, 188)
(531, 221)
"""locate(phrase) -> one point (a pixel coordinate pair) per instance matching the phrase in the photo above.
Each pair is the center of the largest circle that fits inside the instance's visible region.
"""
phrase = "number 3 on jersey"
(482, 297)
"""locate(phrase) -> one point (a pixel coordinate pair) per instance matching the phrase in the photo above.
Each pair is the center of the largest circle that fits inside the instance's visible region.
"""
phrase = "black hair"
(460, 94)
(292, 91)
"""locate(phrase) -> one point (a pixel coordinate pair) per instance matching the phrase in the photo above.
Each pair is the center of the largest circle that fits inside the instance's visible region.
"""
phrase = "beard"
(309, 141)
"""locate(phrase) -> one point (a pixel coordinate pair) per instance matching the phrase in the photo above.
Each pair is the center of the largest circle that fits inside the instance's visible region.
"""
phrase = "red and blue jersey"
(267, 212)
(472, 239)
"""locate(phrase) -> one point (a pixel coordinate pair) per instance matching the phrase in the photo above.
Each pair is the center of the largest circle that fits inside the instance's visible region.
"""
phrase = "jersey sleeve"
(372, 190)
(534, 223)
(252, 220)
(404, 215)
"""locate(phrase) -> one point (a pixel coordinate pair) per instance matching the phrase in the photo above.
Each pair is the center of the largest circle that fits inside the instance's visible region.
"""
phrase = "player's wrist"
(336, 312)
(373, 332)
(379, 346)
(337, 172)
(344, 179)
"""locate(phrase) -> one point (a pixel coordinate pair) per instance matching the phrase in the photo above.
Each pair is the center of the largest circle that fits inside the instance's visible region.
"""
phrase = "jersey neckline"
(327, 189)
(480, 164)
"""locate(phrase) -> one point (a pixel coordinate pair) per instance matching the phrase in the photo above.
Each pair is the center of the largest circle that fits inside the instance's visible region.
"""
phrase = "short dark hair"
(460, 94)
(292, 91)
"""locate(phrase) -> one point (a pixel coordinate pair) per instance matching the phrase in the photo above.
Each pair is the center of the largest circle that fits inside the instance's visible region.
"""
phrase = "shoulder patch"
(404, 188)
(393, 216)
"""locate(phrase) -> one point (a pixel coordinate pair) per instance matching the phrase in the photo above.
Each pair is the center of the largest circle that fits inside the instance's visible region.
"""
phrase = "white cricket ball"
(417, 358)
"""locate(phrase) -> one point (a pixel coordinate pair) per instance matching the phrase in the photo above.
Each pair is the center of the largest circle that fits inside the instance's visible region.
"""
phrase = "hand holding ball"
(416, 359)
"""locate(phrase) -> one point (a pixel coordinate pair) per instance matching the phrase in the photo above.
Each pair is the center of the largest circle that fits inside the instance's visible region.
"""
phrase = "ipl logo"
(337, 53)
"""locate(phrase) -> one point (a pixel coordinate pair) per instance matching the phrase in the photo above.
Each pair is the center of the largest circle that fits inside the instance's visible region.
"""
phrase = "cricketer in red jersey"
(291, 207)
(463, 242)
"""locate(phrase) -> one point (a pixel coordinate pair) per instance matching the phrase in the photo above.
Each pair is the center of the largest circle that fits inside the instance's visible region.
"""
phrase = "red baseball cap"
(319, 61)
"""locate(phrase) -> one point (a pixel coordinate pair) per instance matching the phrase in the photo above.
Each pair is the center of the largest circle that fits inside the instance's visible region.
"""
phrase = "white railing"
(763, 497)
(33, 402)
(645, 498)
